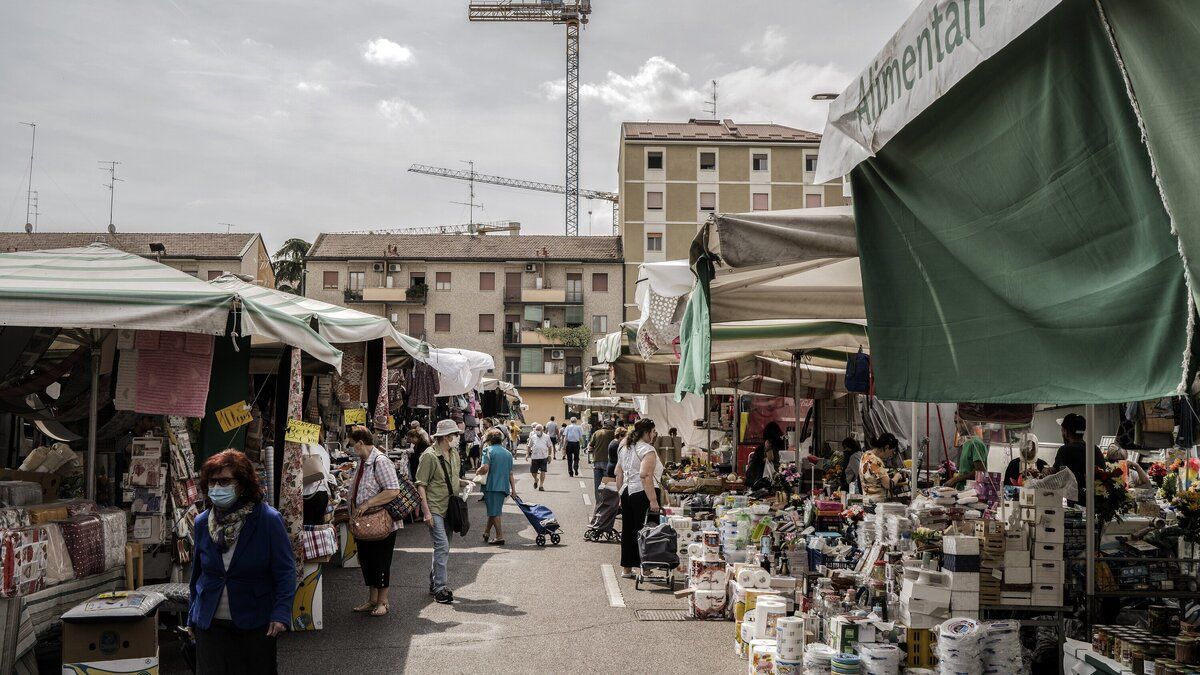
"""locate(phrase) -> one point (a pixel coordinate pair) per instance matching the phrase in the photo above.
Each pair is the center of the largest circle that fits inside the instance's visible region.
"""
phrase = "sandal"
(365, 607)
(377, 612)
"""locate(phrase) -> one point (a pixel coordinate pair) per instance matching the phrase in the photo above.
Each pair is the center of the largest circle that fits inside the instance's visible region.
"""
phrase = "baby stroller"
(543, 521)
(601, 527)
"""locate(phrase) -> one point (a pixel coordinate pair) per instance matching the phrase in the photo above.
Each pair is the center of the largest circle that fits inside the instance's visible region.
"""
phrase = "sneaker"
(542, 489)
(444, 597)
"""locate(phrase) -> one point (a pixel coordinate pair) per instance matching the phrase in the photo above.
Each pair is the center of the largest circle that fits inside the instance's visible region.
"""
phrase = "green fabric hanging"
(695, 335)
(1014, 245)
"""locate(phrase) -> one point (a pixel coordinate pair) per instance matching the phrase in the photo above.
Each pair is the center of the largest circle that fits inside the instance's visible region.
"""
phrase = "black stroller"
(603, 524)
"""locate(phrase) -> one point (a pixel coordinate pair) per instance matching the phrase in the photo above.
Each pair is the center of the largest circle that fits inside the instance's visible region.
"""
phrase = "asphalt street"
(518, 608)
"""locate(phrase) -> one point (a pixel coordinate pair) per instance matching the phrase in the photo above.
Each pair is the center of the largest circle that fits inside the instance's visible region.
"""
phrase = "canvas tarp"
(772, 375)
(583, 400)
(1015, 245)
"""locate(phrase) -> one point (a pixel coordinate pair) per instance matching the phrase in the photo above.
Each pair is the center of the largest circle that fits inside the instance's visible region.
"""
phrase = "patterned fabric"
(319, 541)
(379, 421)
(312, 411)
(173, 372)
(378, 473)
(659, 328)
(58, 560)
(116, 533)
(872, 472)
(224, 527)
(347, 387)
(291, 483)
(84, 536)
(22, 561)
(423, 387)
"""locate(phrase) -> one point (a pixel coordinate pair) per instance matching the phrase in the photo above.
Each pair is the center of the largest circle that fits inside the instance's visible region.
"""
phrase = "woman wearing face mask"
(374, 485)
(243, 571)
(1026, 464)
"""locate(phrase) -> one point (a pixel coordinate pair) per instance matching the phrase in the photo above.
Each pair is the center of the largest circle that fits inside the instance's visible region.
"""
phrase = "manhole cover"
(661, 615)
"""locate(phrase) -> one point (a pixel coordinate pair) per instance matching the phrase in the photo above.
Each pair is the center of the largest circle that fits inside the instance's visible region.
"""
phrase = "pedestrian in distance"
(638, 472)
(541, 449)
(552, 430)
(437, 475)
(598, 445)
(373, 486)
(500, 482)
(243, 577)
(572, 441)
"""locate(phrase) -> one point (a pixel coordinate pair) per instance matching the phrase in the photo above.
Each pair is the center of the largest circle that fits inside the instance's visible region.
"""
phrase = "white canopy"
(583, 400)
(492, 384)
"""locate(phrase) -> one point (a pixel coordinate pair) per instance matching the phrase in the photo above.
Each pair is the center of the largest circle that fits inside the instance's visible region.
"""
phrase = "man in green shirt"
(436, 473)
(599, 449)
(973, 457)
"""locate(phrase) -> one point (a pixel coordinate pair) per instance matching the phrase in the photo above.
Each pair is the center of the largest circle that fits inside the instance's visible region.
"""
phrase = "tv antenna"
(710, 106)
(228, 227)
(29, 218)
(36, 211)
(111, 168)
(471, 183)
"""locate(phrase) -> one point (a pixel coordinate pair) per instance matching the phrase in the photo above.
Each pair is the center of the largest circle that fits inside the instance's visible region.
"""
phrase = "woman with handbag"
(438, 485)
(638, 474)
(498, 482)
(374, 485)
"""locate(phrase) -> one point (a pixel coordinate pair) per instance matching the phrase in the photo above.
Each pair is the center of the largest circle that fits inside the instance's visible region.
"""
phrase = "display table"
(25, 619)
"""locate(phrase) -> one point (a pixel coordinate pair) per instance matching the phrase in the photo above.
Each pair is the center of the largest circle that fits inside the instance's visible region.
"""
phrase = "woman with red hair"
(243, 571)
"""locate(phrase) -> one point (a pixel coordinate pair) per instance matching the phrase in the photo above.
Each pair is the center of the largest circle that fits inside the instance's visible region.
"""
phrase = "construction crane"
(573, 14)
(473, 176)
(464, 228)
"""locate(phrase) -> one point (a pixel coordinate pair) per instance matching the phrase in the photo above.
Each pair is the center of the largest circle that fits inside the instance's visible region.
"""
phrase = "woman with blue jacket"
(243, 572)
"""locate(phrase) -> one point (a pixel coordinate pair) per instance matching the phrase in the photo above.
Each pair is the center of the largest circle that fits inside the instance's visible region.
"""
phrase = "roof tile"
(717, 130)
(338, 245)
(177, 244)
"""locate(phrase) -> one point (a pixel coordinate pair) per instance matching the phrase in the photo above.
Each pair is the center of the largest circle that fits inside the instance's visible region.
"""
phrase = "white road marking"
(615, 599)
(582, 484)
(587, 499)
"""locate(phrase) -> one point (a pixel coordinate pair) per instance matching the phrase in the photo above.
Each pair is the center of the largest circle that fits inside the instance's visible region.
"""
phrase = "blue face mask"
(222, 496)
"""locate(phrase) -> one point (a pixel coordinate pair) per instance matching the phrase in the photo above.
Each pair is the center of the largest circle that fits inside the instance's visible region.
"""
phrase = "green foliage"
(288, 264)
(575, 337)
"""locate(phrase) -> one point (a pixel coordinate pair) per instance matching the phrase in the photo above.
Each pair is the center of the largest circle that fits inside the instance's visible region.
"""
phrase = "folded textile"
(58, 560)
(116, 533)
(77, 507)
(14, 517)
(84, 536)
(20, 492)
(47, 513)
(319, 541)
(22, 561)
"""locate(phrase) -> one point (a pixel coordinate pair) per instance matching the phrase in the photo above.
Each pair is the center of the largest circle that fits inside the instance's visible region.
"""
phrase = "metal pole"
(1090, 502)
(572, 183)
(90, 475)
(796, 403)
(912, 453)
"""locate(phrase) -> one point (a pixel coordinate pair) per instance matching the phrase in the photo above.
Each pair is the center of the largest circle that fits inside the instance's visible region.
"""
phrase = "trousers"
(438, 576)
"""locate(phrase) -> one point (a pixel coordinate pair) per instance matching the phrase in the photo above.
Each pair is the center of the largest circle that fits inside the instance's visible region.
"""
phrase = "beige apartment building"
(490, 293)
(674, 175)
(204, 255)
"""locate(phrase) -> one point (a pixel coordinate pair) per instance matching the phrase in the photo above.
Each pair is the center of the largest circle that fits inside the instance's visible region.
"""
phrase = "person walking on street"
(572, 441)
(243, 572)
(500, 483)
(419, 439)
(598, 448)
(437, 475)
(552, 430)
(540, 450)
(374, 485)
(514, 437)
(638, 472)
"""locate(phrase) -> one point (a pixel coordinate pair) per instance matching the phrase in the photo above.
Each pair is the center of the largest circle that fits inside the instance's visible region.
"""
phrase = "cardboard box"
(961, 545)
(963, 602)
(1049, 535)
(960, 563)
(111, 627)
(1018, 575)
(989, 528)
(1046, 551)
(142, 666)
(967, 615)
(1016, 559)
(1049, 572)
(938, 591)
(1016, 539)
(963, 581)
(1039, 497)
(48, 481)
(1015, 598)
(1049, 517)
(1047, 595)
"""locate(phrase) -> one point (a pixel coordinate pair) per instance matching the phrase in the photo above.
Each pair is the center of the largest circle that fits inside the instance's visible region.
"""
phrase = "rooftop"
(198, 245)
(716, 130)
(345, 246)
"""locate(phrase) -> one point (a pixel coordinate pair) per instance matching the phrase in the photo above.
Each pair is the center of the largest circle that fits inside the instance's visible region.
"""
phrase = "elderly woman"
(243, 571)
(499, 483)
(373, 486)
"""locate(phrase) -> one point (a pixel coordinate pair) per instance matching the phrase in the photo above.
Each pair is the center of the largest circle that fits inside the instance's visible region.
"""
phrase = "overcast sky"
(299, 116)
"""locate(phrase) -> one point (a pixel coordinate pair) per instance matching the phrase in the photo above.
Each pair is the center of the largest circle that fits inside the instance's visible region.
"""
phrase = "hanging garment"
(381, 398)
(423, 392)
(167, 374)
(291, 484)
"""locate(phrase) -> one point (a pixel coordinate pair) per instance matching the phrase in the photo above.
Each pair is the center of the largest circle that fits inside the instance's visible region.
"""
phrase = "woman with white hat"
(436, 473)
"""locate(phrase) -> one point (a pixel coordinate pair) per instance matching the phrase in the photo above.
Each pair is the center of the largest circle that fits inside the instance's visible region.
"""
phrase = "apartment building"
(674, 175)
(204, 255)
(510, 296)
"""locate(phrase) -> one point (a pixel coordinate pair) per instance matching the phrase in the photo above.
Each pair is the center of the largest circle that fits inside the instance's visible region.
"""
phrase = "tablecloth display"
(58, 559)
(115, 535)
(22, 561)
(84, 536)
(20, 493)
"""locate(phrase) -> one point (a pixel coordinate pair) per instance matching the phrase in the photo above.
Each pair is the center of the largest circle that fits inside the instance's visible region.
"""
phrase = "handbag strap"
(446, 473)
(357, 480)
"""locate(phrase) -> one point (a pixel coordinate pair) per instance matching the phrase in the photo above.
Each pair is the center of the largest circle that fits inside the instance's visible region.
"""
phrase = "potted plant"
(416, 292)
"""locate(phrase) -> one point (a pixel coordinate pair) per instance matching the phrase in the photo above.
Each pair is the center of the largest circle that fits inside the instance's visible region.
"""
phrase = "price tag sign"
(302, 432)
(354, 416)
(391, 423)
(234, 416)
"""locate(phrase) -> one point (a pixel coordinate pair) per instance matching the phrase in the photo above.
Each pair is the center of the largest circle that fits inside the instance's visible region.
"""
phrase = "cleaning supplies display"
(958, 647)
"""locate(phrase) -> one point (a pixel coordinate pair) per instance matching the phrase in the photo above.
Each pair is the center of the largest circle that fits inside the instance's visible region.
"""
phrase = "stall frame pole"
(1090, 505)
(90, 475)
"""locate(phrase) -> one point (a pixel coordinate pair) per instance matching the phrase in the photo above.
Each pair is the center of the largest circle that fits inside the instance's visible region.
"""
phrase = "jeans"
(441, 553)
(598, 471)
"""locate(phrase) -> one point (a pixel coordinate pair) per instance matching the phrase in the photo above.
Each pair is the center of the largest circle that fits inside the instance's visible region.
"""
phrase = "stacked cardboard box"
(1042, 511)
(924, 598)
(961, 561)
(991, 560)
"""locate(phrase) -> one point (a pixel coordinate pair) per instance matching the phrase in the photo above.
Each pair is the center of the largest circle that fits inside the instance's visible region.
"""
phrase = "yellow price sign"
(391, 423)
(234, 416)
(354, 416)
(302, 432)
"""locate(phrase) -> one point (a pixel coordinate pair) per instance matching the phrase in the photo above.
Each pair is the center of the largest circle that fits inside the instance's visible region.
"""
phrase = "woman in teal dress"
(499, 482)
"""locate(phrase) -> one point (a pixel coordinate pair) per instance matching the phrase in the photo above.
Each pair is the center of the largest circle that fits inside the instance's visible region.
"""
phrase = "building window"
(708, 201)
(416, 278)
(761, 201)
(759, 162)
(532, 360)
(357, 280)
(654, 159)
(810, 163)
(512, 370)
(708, 161)
(812, 201)
(192, 271)
(441, 323)
(487, 281)
(600, 282)
(329, 279)
(573, 316)
(416, 325)
(654, 201)
(654, 241)
(600, 324)
(441, 281)
(213, 274)
(487, 323)
(574, 287)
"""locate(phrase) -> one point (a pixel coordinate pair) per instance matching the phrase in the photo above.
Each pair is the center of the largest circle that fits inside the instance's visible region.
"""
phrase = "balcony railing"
(414, 295)
(512, 293)
(574, 380)
(353, 295)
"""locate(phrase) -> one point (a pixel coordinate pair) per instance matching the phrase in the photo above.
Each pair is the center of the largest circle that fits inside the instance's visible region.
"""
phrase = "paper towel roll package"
(708, 576)
(783, 667)
(695, 550)
(762, 657)
(708, 605)
(712, 538)
(760, 579)
(766, 614)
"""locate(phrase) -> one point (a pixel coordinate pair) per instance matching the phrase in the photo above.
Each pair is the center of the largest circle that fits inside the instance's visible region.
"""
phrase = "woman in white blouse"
(638, 472)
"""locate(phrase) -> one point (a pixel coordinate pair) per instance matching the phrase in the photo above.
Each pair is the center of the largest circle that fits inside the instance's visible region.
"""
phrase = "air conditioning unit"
(395, 317)
(530, 267)
(393, 267)
(557, 355)
(377, 267)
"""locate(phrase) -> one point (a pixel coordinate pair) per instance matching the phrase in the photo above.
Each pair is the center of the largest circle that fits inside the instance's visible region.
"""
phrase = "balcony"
(555, 380)
(542, 296)
(415, 295)
(352, 295)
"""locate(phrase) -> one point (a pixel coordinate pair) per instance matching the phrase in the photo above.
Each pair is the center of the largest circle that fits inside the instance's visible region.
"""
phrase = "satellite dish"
(112, 229)
(28, 228)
